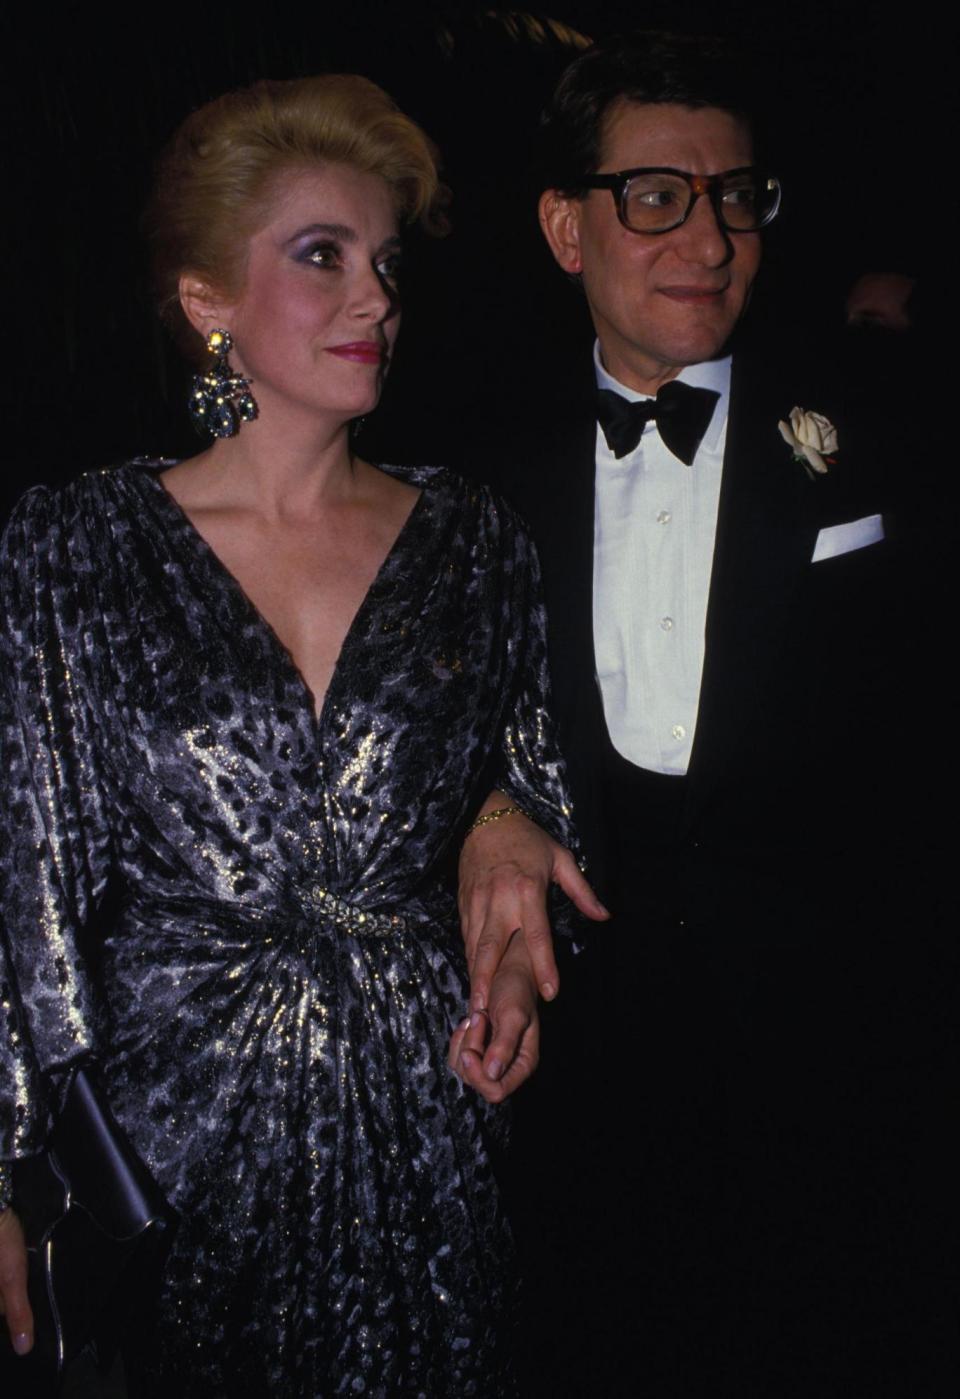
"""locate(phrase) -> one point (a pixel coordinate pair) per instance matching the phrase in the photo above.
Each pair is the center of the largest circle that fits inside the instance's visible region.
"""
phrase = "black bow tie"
(681, 412)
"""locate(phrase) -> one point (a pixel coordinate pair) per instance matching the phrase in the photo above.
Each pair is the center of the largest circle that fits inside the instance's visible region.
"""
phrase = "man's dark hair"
(649, 67)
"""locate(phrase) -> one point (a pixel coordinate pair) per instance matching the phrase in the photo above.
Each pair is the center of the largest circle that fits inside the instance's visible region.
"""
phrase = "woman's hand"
(13, 1283)
(496, 1049)
(506, 867)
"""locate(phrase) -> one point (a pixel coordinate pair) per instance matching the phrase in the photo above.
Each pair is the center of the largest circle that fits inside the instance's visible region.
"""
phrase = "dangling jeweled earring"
(219, 399)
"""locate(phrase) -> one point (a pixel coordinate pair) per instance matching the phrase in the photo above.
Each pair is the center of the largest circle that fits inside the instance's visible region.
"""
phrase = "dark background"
(862, 102)
(861, 109)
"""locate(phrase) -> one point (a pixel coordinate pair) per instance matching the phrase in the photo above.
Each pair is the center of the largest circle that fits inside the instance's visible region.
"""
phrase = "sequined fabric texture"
(272, 995)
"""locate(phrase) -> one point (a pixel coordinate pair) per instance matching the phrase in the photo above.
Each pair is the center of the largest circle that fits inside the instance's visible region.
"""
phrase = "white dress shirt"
(654, 530)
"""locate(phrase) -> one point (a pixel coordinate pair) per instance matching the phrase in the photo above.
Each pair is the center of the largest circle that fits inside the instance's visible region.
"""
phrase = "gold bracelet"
(495, 815)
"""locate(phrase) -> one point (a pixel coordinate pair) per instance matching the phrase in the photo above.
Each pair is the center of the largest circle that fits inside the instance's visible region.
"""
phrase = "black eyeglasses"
(655, 199)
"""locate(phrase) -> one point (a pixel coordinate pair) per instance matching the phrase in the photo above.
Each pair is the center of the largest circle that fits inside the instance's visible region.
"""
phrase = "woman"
(262, 692)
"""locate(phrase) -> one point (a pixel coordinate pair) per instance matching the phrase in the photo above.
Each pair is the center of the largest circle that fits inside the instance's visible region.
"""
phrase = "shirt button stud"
(678, 731)
(664, 517)
(666, 624)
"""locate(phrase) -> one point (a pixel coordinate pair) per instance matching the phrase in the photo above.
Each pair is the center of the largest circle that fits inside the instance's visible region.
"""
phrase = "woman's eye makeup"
(323, 254)
(331, 255)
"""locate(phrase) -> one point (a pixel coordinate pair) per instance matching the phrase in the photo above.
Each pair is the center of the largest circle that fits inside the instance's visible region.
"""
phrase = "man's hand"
(497, 1049)
(506, 867)
(13, 1283)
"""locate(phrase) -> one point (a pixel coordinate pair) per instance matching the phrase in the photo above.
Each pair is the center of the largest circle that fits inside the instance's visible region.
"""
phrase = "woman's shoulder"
(68, 520)
(466, 494)
(45, 502)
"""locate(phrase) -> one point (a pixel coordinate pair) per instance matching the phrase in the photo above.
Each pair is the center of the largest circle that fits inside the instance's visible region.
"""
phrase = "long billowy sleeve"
(54, 842)
(533, 772)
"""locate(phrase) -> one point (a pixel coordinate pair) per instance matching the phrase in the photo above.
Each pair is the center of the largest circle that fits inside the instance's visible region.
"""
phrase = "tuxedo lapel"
(764, 542)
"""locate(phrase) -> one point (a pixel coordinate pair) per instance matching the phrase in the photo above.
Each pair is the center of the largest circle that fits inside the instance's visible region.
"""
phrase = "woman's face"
(315, 324)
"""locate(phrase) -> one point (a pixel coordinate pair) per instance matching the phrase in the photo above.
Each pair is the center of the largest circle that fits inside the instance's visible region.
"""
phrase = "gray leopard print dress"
(281, 969)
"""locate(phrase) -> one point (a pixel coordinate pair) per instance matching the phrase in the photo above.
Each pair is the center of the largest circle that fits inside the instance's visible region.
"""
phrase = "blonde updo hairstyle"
(216, 178)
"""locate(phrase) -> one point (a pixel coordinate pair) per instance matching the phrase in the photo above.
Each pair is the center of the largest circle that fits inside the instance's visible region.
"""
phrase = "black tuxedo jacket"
(790, 772)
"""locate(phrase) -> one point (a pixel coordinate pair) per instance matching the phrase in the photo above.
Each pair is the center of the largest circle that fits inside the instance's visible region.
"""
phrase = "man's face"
(658, 301)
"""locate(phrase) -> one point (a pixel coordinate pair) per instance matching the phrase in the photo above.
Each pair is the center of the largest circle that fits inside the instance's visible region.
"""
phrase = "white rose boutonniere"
(813, 439)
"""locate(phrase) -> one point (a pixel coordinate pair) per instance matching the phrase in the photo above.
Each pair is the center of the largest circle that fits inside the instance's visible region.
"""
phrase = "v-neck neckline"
(233, 588)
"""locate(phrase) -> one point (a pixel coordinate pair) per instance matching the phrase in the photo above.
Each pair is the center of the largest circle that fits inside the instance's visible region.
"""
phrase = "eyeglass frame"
(618, 181)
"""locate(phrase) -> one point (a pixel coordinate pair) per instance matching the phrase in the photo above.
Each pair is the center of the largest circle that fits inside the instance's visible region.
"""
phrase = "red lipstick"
(360, 351)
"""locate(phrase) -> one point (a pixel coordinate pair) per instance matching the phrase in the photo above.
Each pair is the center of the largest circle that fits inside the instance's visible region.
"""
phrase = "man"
(720, 597)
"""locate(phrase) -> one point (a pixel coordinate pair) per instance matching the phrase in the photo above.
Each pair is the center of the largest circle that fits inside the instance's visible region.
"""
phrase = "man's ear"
(560, 224)
(203, 307)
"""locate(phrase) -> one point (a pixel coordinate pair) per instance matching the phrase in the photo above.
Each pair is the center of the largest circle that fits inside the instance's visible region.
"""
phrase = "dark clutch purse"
(97, 1230)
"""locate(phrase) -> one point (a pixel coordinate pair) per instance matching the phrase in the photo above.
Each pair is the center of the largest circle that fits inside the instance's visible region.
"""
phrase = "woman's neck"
(277, 475)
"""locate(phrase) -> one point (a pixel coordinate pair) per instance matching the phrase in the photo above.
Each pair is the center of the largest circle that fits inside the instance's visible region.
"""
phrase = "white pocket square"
(843, 539)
